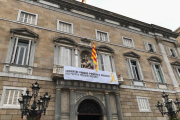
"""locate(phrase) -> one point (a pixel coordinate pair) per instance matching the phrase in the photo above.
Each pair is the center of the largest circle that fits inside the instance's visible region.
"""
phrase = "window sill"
(138, 83)
(144, 111)
(163, 86)
(173, 57)
(17, 69)
(151, 52)
(10, 107)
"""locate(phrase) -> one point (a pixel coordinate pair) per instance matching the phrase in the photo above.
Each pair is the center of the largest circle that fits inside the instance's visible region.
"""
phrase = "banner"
(83, 74)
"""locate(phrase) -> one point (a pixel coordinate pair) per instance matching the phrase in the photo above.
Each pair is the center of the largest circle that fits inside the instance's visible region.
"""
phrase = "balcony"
(58, 71)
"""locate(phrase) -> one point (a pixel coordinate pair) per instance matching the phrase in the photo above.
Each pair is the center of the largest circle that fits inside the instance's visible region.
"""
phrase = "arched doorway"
(89, 110)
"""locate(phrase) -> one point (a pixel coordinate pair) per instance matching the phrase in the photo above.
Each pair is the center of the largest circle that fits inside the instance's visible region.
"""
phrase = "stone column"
(167, 63)
(58, 104)
(72, 109)
(108, 106)
(118, 105)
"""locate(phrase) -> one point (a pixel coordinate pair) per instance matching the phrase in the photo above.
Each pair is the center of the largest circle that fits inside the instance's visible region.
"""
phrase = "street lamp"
(42, 104)
(169, 106)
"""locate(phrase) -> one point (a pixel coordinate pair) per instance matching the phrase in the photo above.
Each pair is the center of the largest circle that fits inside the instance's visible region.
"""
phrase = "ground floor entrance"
(89, 117)
(89, 110)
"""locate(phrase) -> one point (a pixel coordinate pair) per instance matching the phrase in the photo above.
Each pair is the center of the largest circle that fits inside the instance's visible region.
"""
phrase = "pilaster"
(72, 104)
(118, 105)
(167, 63)
(108, 107)
(58, 104)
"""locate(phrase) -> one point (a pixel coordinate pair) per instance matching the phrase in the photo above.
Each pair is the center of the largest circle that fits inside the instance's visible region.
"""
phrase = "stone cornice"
(101, 14)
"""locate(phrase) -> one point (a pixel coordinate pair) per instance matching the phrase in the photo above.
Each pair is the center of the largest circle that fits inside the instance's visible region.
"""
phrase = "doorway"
(89, 110)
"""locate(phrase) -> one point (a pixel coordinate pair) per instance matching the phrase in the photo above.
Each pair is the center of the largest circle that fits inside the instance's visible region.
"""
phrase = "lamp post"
(169, 106)
(42, 104)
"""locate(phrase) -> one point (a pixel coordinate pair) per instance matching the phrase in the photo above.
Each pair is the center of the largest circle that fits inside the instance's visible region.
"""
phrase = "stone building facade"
(39, 37)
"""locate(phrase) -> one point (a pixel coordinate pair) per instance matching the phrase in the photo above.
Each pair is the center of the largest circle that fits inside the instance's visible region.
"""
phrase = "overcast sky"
(165, 13)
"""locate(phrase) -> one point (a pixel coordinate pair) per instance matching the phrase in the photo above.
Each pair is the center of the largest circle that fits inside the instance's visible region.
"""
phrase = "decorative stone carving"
(177, 44)
(154, 59)
(24, 32)
(86, 63)
(85, 41)
(176, 63)
(158, 39)
(132, 54)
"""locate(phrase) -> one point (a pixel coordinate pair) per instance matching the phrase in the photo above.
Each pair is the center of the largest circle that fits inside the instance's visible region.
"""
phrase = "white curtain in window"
(65, 27)
(104, 62)
(65, 55)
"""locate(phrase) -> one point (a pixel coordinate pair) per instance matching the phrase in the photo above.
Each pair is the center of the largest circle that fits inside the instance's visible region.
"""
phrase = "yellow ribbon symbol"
(113, 79)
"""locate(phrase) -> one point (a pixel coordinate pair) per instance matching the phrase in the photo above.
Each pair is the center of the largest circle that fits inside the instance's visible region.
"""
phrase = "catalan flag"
(83, 1)
(94, 56)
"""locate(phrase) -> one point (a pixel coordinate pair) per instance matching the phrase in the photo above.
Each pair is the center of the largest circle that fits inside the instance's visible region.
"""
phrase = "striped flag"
(94, 57)
(83, 1)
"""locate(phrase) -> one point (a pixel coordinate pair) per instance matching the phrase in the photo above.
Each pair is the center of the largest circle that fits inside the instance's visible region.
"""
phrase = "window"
(65, 56)
(27, 17)
(10, 97)
(105, 62)
(177, 71)
(128, 42)
(65, 27)
(134, 69)
(102, 36)
(21, 51)
(171, 52)
(158, 73)
(150, 47)
(143, 104)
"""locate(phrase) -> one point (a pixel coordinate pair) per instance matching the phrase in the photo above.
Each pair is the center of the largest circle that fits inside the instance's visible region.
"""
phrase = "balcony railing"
(57, 69)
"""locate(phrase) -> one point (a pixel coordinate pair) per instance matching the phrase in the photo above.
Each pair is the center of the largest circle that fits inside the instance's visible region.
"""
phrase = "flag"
(83, 1)
(94, 56)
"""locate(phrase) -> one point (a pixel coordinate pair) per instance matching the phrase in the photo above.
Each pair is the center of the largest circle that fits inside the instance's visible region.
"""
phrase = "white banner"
(83, 74)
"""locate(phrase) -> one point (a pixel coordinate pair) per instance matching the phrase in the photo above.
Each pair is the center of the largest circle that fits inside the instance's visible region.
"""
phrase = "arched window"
(105, 58)
(64, 54)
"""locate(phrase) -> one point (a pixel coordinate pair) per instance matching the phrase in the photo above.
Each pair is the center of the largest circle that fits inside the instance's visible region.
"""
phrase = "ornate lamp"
(45, 100)
(42, 103)
(169, 105)
(160, 107)
(177, 102)
(35, 89)
(26, 100)
(165, 96)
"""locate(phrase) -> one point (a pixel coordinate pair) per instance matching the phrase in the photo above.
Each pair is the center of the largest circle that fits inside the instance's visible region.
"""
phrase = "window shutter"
(175, 52)
(113, 64)
(177, 73)
(61, 50)
(32, 52)
(10, 50)
(69, 56)
(108, 63)
(130, 69)
(154, 48)
(163, 75)
(154, 72)
(139, 70)
(14, 52)
(168, 51)
(79, 59)
(99, 62)
(73, 61)
(104, 61)
(56, 55)
(146, 46)
(28, 53)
